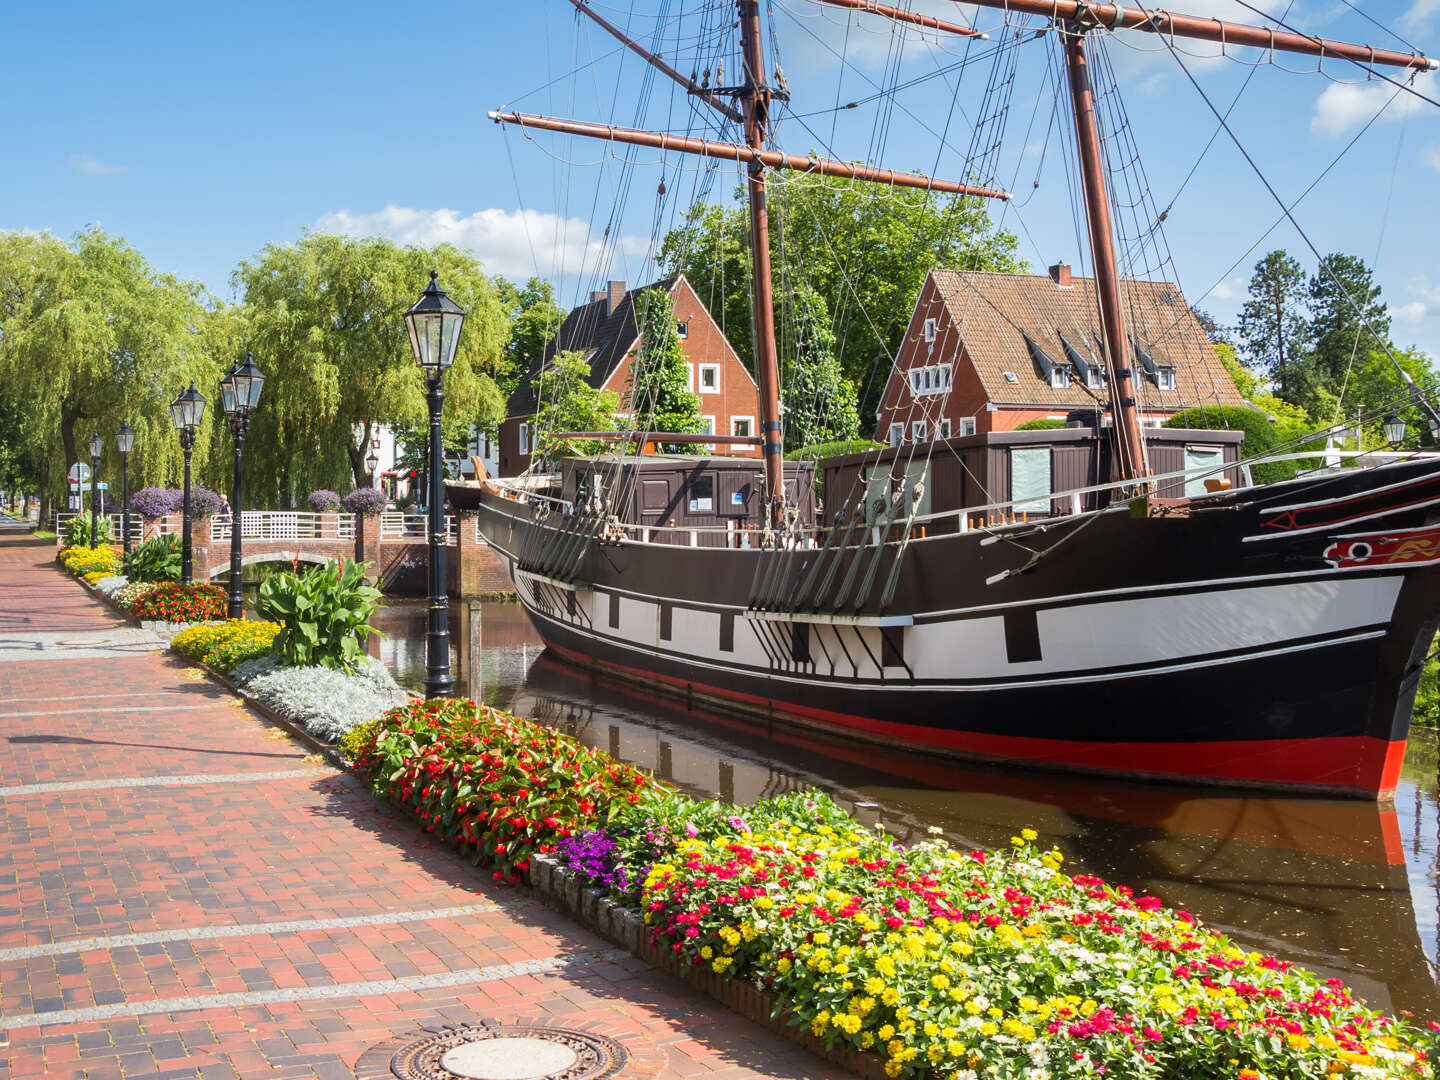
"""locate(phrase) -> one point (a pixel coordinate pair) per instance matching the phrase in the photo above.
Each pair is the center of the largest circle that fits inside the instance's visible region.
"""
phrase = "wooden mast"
(767, 363)
(1129, 462)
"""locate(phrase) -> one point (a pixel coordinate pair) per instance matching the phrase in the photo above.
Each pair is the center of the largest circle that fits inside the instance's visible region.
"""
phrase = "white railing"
(299, 526)
(63, 517)
(395, 525)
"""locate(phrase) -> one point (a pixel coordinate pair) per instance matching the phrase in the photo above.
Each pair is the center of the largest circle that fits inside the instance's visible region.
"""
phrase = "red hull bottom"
(1355, 765)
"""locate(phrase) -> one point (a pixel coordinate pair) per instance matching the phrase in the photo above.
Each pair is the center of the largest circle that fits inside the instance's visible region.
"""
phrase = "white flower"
(1038, 1073)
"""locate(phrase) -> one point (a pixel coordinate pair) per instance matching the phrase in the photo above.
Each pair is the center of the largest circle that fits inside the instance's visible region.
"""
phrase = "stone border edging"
(624, 926)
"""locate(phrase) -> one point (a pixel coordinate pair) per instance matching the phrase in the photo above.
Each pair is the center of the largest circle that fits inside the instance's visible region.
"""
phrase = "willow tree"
(324, 319)
(91, 335)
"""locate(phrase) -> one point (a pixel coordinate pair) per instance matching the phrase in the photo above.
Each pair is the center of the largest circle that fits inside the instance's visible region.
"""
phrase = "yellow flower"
(874, 985)
(886, 1032)
(1029, 834)
(987, 1029)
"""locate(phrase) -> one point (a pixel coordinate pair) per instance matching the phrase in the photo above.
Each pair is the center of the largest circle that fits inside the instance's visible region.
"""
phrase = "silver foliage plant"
(111, 585)
(326, 702)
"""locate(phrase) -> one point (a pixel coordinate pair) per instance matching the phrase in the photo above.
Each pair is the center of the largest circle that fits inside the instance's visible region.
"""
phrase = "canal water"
(1346, 888)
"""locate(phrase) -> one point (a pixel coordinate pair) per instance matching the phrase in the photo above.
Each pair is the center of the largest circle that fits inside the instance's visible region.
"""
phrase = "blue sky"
(201, 133)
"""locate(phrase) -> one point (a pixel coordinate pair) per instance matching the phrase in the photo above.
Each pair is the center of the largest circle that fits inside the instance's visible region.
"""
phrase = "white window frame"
(1059, 378)
(915, 377)
(1010, 376)
(690, 384)
(897, 434)
(682, 328)
(1152, 422)
(945, 427)
(967, 425)
(931, 326)
(1095, 378)
(947, 374)
(920, 431)
(701, 369)
(746, 419)
(1165, 378)
(709, 422)
(524, 434)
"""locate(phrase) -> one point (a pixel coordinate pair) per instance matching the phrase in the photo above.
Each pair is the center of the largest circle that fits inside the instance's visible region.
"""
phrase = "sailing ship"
(1176, 624)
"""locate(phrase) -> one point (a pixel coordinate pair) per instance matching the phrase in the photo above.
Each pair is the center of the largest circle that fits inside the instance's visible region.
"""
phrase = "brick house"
(987, 352)
(606, 333)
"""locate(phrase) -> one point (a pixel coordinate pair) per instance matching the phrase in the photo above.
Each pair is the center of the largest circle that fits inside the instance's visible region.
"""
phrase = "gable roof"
(996, 313)
(601, 336)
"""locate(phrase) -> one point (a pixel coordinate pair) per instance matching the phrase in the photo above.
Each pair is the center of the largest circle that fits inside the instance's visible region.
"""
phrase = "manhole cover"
(509, 1052)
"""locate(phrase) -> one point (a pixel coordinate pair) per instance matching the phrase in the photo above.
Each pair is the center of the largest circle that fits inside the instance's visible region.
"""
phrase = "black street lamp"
(1394, 430)
(434, 328)
(186, 411)
(239, 394)
(96, 444)
(124, 440)
(372, 465)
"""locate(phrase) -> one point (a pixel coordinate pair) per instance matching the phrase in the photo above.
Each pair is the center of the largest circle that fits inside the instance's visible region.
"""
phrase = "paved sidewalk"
(185, 893)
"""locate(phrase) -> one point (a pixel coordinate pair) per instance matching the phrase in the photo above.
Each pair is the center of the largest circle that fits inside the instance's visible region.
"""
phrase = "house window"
(690, 377)
(709, 378)
(742, 425)
(524, 438)
(1151, 422)
(1165, 378)
(707, 427)
(917, 379)
(1010, 376)
(920, 429)
(945, 373)
(945, 428)
(929, 329)
(967, 425)
(1094, 377)
(897, 434)
(1059, 377)
(682, 327)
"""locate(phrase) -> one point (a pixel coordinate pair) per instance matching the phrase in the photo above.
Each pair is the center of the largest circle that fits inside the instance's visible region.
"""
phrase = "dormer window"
(1095, 378)
(1060, 377)
(1165, 378)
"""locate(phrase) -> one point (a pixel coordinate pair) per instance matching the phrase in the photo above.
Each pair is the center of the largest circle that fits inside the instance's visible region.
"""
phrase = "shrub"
(1259, 436)
(322, 501)
(324, 614)
(157, 559)
(203, 502)
(153, 502)
(326, 702)
(503, 786)
(1042, 423)
(111, 586)
(225, 645)
(365, 501)
(815, 451)
(172, 602)
(83, 531)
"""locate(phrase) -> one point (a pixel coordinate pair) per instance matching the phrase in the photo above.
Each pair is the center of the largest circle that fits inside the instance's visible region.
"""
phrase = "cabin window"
(1165, 378)
(930, 325)
(702, 495)
(709, 378)
(667, 621)
(524, 438)
(800, 642)
(1059, 377)
(1198, 461)
(945, 428)
(742, 425)
(727, 631)
(897, 434)
(920, 430)
(682, 327)
(967, 425)
(1030, 479)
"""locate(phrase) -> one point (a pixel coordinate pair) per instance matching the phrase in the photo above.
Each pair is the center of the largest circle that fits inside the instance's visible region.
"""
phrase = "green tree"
(91, 335)
(535, 318)
(864, 249)
(1347, 317)
(324, 319)
(1273, 330)
(1377, 389)
(567, 402)
(660, 394)
(819, 401)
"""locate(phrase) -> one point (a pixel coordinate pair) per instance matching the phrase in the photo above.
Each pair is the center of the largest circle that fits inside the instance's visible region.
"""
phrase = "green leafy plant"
(157, 559)
(324, 614)
(83, 530)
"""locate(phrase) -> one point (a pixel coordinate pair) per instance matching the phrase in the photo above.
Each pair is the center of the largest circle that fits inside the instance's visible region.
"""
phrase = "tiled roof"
(601, 336)
(995, 312)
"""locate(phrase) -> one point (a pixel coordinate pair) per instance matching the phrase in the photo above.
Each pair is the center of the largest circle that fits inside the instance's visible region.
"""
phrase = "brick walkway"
(184, 893)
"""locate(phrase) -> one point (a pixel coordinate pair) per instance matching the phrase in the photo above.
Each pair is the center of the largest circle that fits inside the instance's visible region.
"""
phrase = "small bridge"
(394, 544)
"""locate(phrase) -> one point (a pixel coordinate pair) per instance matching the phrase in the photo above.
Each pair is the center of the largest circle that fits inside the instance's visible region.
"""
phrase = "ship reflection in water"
(1347, 888)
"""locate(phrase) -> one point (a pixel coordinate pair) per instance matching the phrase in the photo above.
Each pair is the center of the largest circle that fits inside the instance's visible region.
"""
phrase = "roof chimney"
(1061, 273)
(616, 292)
(597, 295)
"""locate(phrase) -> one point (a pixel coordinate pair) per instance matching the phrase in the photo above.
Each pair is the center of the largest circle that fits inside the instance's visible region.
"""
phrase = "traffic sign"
(79, 473)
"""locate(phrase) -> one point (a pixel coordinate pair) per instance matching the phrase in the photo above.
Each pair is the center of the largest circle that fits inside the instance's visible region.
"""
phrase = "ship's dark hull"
(1272, 639)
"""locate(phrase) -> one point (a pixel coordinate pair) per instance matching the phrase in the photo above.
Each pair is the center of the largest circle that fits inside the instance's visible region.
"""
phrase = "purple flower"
(322, 500)
(365, 501)
(691, 830)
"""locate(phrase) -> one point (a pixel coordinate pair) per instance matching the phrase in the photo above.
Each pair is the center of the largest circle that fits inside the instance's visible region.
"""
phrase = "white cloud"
(1419, 15)
(92, 166)
(1409, 313)
(516, 243)
(1343, 106)
(1431, 157)
(1230, 289)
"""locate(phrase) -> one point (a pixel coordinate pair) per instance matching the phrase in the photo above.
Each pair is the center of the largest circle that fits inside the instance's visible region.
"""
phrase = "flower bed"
(944, 963)
(90, 560)
(227, 644)
(499, 785)
(130, 594)
(325, 702)
(171, 602)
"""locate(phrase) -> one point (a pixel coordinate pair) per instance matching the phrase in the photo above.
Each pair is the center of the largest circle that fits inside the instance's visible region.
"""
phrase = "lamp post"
(186, 412)
(239, 394)
(372, 466)
(124, 440)
(96, 444)
(1394, 430)
(433, 324)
